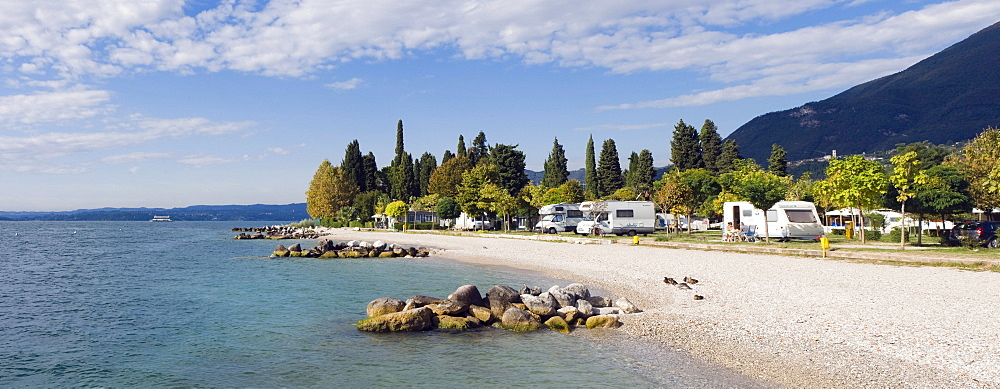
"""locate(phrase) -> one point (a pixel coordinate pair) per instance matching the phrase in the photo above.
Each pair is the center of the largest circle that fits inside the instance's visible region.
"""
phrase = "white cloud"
(346, 85)
(134, 157)
(133, 169)
(199, 161)
(53, 106)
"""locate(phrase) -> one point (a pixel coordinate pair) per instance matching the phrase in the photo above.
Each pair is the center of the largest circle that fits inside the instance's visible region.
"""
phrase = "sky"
(170, 103)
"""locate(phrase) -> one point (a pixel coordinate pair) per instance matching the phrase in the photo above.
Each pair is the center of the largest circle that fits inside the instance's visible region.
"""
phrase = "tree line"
(705, 171)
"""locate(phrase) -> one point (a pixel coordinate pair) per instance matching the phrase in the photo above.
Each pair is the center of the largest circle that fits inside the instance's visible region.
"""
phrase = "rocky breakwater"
(326, 248)
(527, 309)
(275, 232)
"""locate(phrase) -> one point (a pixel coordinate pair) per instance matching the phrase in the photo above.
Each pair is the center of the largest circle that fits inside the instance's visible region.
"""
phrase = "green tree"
(397, 210)
(703, 187)
(447, 208)
(446, 179)
(762, 189)
(367, 203)
(470, 192)
(571, 191)
(556, 171)
(480, 150)
(928, 154)
(906, 175)
(802, 189)
(427, 165)
(460, 150)
(623, 194)
(373, 178)
(447, 155)
(609, 170)
(499, 201)
(857, 183)
(671, 193)
(401, 179)
(945, 193)
(980, 162)
(777, 163)
(354, 166)
(329, 190)
(685, 148)
(590, 178)
(641, 173)
(727, 159)
(711, 145)
(510, 167)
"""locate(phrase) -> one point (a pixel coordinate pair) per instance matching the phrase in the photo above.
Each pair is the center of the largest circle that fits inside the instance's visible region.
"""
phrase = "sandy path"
(797, 322)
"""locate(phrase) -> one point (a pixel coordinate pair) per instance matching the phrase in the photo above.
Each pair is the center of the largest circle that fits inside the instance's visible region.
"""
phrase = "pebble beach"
(791, 321)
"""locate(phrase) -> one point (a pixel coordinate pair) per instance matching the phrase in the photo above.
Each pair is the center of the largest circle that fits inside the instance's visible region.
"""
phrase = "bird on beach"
(683, 285)
(690, 280)
(669, 281)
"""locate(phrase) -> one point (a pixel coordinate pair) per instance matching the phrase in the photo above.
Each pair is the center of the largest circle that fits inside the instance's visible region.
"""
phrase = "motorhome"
(617, 217)
(468, 223)
(785, 220)
(559, 217)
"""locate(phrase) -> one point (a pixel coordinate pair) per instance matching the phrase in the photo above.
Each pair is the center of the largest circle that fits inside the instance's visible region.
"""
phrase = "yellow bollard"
(824, 242)
(635, 239)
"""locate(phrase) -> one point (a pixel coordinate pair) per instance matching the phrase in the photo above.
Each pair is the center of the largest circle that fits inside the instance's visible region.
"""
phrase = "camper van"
(617, 217)
(469, 223)
(559, 217)
(785, 220)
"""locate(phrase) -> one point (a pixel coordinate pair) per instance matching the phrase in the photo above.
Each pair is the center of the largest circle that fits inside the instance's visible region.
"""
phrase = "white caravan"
(559, 217)
(468, 223)
(617, 217)
(785, 220)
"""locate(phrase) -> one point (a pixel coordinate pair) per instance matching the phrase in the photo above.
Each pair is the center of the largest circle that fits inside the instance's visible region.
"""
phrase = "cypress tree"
(777, 163)
(371, 172)
(711, 145)
(401, 173)
(685, 150)
(480, 149)
(556, 172)
(633, 161)
(730, 153)
(447, 155)
(590, 177)
(510, 167)
(427, 165)
(353, 165)
(609, 170)
(461, 147)
(641, 172)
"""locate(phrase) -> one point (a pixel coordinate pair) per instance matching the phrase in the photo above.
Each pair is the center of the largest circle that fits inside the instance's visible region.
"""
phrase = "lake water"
(140, 304)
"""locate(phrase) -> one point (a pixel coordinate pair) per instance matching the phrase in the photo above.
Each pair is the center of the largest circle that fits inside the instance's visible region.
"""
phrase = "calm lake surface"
(140, 304)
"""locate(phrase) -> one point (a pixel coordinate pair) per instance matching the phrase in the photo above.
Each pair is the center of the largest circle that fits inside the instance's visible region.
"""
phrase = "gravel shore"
(791, 321)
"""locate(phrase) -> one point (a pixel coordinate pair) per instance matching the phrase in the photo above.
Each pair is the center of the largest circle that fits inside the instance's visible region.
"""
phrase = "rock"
(598, 301)
(423, 252)
(295, 247)
(412, 251)
(385, 254)
(607, 311)
(446, 322)
(378, 244)
(483, 314)
(448, 307)
(325, 245)
(541, 305)
(418, 319)
(570, 314)
(562, 298)
(534, 291)
(399, 252)
(578, 290)
(329, 254)
(626, 306)
(384, 305)
(467, 295)
(585, 308)
(353, 243)
(602, 321)
(350, 254)
(517, 319)
(501, 297)
(281, 251)
(558, 324)
(420, 301)
(365, 245)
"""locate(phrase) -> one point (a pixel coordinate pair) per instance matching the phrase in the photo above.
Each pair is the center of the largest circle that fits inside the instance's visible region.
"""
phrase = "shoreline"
(789, 321)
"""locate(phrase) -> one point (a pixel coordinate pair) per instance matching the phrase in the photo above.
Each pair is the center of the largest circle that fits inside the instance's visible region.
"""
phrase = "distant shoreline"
(792, 321)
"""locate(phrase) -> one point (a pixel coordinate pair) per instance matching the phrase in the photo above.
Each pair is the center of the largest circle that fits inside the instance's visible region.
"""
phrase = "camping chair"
(749, 233)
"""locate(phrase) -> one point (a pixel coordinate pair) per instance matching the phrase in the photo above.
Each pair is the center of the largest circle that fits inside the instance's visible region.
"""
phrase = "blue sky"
(166, 103)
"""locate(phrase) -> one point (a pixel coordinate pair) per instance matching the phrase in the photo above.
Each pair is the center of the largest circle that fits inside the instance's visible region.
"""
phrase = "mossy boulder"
(484, 314)
(558, 324)
(280, 251)
(446, 322)
(448, 307)
(602, 321)
(385, 254)
(467, 295)
(350, 254)
(329, 254)
(418, 319)
(517, 319)
(384, 305)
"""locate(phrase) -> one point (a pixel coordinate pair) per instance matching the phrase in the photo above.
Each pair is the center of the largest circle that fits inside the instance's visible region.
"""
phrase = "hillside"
(948, 97)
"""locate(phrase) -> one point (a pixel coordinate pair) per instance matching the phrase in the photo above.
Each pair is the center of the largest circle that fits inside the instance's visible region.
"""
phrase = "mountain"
(948, 97)
(256, 212)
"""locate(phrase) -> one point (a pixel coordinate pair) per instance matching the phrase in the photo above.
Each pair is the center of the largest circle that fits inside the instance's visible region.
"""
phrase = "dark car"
(985, 232)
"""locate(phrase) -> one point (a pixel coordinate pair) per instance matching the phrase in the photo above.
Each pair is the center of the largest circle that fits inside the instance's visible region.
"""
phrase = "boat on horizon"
(160, 219)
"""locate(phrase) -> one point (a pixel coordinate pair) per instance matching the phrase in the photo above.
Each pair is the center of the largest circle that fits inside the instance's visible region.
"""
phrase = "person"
(729, 235)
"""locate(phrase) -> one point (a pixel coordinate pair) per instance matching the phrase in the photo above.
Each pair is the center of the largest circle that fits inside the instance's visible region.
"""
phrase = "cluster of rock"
(326, 248)
(275, 232)
(527, 309)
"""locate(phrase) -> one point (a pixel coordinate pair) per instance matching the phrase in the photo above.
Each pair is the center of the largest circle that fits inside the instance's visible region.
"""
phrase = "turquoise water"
(139, 304)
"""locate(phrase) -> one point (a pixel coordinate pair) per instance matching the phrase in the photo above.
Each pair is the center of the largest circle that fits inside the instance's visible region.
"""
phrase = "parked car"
(985, 232)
